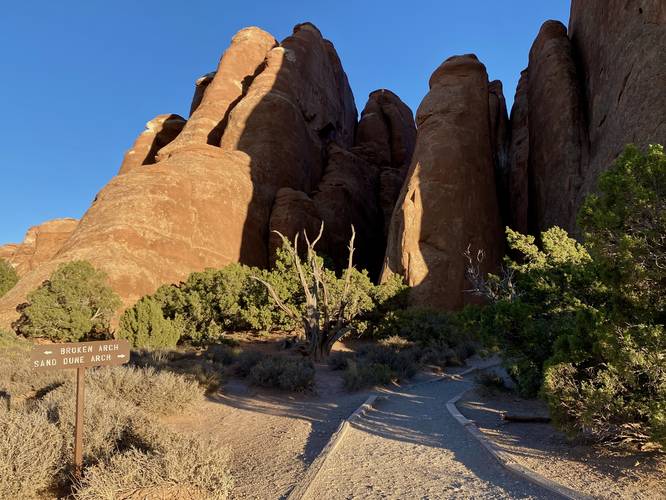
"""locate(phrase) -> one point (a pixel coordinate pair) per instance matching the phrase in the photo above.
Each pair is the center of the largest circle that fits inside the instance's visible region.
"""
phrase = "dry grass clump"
(179, 467)
(18, 381)
(30, 454)
(154, 392)
(109, 425)
(127, 451)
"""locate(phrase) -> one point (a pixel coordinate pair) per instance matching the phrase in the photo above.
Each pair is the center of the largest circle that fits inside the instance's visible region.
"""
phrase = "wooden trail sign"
(79, 356)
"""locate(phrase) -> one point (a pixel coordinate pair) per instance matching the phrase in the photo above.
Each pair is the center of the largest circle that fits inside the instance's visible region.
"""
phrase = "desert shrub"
(8, 277)
(338, 360)
(110, 423)
(30, 454)
(491, 382)
(246, 361)
(18, 381)
(144, 325)
(223, 354)
(403, 363)
(585, 322)
(289, 374)
(620, 393)
(179, 467)
(625, 231)
(361, 375)
(154, 392)
(213, 301)
(557, 292)
(73, 304)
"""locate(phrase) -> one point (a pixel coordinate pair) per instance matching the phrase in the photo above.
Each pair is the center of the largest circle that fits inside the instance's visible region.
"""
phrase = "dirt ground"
(274, 436)
(593, 470)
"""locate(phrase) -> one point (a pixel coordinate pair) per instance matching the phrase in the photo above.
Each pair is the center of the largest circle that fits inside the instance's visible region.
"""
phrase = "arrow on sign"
(48, 352)
(120, 356)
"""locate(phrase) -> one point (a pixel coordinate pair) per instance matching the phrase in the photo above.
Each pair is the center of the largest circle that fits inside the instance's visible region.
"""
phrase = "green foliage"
(585, 322)
(210, 302)
(8, 277)
(145, 326)
(75, 303)
(625, 230)
(361, 375)
(289, 374)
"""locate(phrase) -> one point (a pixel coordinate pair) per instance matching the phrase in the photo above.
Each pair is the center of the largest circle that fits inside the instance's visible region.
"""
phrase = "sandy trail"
(274, 436)
(409, 446)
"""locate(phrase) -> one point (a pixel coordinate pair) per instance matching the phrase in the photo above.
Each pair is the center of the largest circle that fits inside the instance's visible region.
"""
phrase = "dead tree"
(324, 321)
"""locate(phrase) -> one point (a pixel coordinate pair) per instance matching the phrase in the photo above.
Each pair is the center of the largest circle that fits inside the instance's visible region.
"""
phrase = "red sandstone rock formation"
(449, 200)
(385, 138)
(620, 50)
(159, 132)
(558, 137)
(40, 245)
(519, 150)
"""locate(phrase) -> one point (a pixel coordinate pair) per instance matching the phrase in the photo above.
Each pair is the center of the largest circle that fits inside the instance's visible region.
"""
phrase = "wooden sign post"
(79, 356)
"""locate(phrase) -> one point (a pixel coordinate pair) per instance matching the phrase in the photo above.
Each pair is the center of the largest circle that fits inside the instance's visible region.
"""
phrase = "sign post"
(79, 356)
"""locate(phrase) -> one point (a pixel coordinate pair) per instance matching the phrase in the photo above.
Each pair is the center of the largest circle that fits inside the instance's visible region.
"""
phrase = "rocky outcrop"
(159, 132)
(293, 213)
(235, 73)
(558, 137)
(449, 201)
(41, 244)
(619, 46)
(204, 202)
(200, 86)
(385, 138)
(519, 151)
(499, 139)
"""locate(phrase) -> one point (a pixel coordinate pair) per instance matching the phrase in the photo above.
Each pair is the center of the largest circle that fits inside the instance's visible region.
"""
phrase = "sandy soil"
(274, 436)
(595, 471)
(409, 447)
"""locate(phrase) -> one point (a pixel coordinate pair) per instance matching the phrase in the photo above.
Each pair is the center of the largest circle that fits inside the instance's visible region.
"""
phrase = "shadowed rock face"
(449, 200)
(385, 138)
(558, 137)
(584, 97)
(620, 51)
(519, 150)
(499, 139)
(40, 245)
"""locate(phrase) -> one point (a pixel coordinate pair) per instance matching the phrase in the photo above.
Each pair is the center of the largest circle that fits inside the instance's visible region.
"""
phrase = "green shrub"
(145, 326)
(338, 360)
(8, 277)
(624, 227)
(361, 375)
(74, 304)
(585, 322)
(403, 363)
(289, 374)
(30, 454)
(213, 301)
(223, 354)
(246, 361)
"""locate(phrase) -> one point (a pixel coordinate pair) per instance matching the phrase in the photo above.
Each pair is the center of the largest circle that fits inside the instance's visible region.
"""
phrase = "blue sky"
(80, 78)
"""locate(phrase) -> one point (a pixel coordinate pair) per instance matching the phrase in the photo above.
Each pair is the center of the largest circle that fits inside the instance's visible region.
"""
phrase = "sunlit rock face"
(449, 200)
(205, 192)
(41, 244)
(274, 142)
